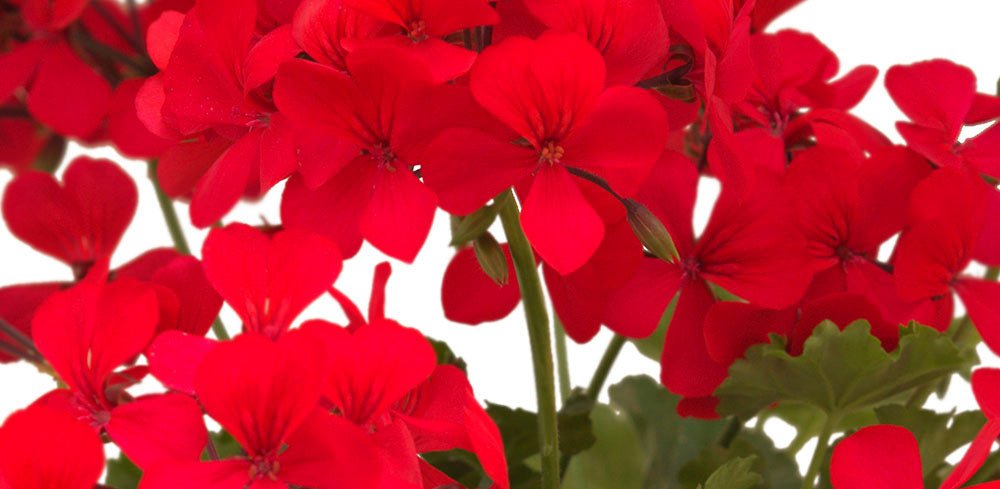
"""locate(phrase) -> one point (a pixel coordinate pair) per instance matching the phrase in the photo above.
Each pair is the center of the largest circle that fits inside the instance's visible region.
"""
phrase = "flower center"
(416, 31)
(551, 153)
(262, 467)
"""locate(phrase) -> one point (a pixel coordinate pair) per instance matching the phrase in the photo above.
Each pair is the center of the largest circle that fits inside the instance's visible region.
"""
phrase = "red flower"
(940, 97)
(470, 296)
(86, 333)
(888, 456)
(269, 280)
(550, 94)
(379, 116)
(77, 223)
(266, 395)
(631, 35)
(750, 248)
(41, 448)
(323, 27)
(423, 24)
(213, 93)
(947, 215)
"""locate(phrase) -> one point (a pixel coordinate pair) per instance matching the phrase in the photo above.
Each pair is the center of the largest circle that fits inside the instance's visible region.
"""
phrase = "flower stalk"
(538, 330)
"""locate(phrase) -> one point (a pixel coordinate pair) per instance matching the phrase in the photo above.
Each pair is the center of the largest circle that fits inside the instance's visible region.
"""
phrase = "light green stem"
(538, 330)
(562, 359)
(822, 445)
(604, 367)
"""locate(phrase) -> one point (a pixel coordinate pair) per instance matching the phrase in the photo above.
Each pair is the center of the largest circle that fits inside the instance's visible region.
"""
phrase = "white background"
(878, 32)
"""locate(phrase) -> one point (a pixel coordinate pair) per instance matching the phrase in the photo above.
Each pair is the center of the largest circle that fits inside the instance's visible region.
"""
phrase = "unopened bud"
(650, 231)
(491, 258)
(472, 226)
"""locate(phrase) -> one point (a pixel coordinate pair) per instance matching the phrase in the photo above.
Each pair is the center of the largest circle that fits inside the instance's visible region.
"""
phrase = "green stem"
(562, 359)
(732, 430)
(604, 367)
(538, 330)
(822, 445)
(177, 234)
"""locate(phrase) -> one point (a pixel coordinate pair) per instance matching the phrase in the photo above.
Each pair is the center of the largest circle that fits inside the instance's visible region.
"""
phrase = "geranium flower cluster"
(582, 126)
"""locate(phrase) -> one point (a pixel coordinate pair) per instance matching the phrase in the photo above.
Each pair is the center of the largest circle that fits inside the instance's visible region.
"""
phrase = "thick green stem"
(822, 445)
(604, 367)
(733, 429)
(562, 360)
(538, 331)
(177, 234)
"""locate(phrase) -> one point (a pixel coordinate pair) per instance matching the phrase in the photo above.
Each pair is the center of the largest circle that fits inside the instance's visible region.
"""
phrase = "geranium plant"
(566, 139)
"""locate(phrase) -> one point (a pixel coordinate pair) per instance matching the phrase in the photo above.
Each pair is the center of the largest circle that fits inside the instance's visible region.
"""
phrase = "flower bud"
(491, 258)
(650, 231)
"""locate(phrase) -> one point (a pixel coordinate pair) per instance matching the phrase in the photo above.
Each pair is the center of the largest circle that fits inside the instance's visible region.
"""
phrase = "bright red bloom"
(213, 92)
(940, 97)
(379, 116)
(551, 94)
(78, 222)
(269, 280)
(266, 395)
(18, 304)
(888, 456)
(41, 448)
(631, 35)
(470, 296)
(422, 25)
(21, 141)
(86, 333)
(750, 248)
(323, 27)
(384, 377)
(947, 216)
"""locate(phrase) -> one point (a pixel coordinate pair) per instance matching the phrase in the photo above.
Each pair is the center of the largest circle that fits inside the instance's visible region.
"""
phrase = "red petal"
(269, 281)
(984, 108)
(51, 15)
(183, 165)
(41, 448)
(321, 26)
(225, 182)
(174, 357)
(159, 429)
(78, 223)
(842, 308)
(316, 95)
(974, 457)
(18, 65)
(698, 407)
(18, 304)
(469, 296)
(332, 210)
(328, 452)
(129, 135)
(621, 152)
(981, 152)
(732, 327)
(238, 380)
(986, 386)
(271, 51)
(670, 193)
(444, 17)
(278, 158)
(882, 456)
(686, 367)
(65, 82)
(917, 90)
(635, 310)
(227, 474)
(981, 298)
(399, 215)
(373, 367)
(988, 246)
(561, 225)
(467, 168)
(161, 37)
(198, 301)
(540, 88)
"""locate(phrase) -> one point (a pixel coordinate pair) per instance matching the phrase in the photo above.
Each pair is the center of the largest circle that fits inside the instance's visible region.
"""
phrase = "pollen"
(417, 31)
(551, 153)
(264, 467)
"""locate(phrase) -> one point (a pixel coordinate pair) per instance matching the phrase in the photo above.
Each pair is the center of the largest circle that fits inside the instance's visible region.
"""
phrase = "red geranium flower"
(266, 395)
(551, 94)
(41, 448)
(269, 280)
(947, 215)
(750, 248)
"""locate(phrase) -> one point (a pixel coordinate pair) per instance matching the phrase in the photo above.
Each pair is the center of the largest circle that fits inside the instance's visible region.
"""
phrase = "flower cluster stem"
(822, 446)
(562, 359)
(538, 330)
(604, 366)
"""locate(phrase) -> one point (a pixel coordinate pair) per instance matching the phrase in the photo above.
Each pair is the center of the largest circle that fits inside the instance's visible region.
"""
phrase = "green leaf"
(808, 421)
(652, 345)
(778, 468)
(225, 445)
(445, 355)
(938, 434)
(669, 440)
(460, 465)
(616, 460)
(735, 474)
(839, 372)
(122, 473)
